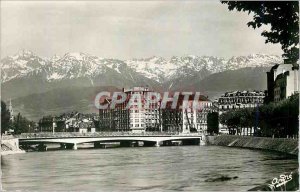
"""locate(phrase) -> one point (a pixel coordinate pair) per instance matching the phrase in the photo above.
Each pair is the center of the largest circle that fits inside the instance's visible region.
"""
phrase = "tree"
(5, 115)
(282, 16)
(232, 120)
(22, 125)
(213, 123)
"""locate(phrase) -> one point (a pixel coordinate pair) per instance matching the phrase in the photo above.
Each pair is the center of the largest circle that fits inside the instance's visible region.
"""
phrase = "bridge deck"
(77, 138)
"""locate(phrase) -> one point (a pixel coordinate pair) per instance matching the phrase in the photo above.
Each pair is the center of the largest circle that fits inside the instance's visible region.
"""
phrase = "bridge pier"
(75, 146)
(157, 144)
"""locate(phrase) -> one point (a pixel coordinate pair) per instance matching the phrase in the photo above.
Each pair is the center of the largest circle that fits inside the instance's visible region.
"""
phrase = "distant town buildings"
(282, 82)
(73, 122)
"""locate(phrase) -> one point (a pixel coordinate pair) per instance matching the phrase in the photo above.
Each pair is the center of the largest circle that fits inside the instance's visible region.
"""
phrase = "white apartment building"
(141, 117)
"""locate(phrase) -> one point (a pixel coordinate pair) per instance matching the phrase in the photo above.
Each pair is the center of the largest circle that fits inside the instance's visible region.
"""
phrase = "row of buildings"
(183, 120)
(139, 119)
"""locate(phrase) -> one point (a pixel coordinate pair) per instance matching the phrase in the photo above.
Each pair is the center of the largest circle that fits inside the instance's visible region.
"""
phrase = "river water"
(181, 168)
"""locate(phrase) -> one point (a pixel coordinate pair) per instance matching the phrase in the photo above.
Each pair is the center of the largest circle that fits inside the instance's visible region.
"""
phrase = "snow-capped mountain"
(20, 65)
(69, 66)
(78, 65)
(253, 60)
(25, 73)
(74, 65)
(160, 69)
(42, 86)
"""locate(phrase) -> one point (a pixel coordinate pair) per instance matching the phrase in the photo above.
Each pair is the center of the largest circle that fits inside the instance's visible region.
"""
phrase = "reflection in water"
(188, 168)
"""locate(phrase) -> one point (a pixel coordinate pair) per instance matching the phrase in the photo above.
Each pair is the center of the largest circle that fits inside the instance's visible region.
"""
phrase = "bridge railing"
(98, 134)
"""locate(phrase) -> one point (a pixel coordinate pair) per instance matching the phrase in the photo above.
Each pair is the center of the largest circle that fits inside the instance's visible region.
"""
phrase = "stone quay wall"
(10, 146)
(284, 145)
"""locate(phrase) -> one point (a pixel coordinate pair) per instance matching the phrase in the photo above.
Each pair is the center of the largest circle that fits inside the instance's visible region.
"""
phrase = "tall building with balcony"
(146, 115)
(137, 118)
(238, 100)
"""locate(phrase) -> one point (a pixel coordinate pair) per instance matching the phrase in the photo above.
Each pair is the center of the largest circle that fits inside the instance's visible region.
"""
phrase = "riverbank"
(283, 145)
(10, 146)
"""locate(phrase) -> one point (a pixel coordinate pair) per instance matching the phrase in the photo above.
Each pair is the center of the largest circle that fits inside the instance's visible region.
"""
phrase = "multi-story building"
(282, 82)
(116, 119)
(202, 115)
(136, 118)
(196, 118)
(141, 117)
(238, 100)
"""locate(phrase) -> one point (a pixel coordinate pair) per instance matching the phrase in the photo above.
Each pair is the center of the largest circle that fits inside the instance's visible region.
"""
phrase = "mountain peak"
(76, 55)
(23, 54)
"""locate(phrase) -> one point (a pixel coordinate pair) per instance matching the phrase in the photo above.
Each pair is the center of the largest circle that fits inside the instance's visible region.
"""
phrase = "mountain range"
(26, 76)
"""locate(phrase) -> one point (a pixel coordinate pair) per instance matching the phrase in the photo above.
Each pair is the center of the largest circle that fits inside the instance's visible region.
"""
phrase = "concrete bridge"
(71, 140)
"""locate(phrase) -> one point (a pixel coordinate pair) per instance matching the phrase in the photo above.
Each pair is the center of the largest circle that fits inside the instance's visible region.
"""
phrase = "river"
(181, 168)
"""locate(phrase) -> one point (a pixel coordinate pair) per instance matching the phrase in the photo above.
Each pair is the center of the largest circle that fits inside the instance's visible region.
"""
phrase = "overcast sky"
(129, 29)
